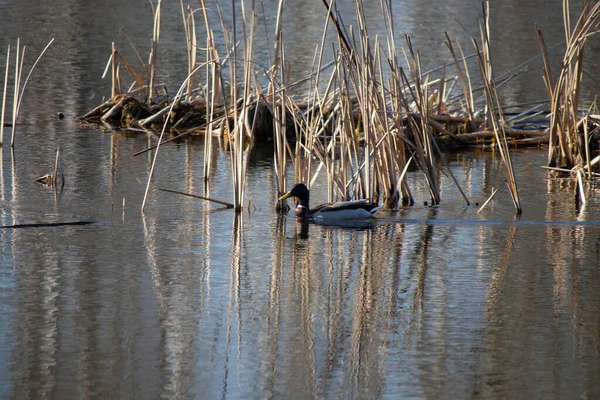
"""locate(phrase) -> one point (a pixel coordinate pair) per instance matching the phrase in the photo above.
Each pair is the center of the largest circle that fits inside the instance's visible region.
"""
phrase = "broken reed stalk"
(189, 25)
(55, 177)
(326, 153)
(114, 64)
(4, 96)
(51, 179)
(280, 161)
(580, 187)
(154, 51)
(18, 97)
(123, 33)
(335, 19)
(491, 197)
(494, 110)
(114, 77)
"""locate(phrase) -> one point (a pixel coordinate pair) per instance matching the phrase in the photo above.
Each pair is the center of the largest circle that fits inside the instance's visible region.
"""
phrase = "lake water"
(188, 300)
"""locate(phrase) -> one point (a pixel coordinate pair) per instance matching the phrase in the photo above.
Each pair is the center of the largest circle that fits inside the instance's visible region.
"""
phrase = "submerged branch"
(228, 205)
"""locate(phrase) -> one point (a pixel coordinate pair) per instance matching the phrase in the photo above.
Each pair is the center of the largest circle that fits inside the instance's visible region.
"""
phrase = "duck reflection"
(302, 226)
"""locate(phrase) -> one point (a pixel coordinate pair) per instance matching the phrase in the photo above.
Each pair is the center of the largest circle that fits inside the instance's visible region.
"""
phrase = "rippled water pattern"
(189, 301)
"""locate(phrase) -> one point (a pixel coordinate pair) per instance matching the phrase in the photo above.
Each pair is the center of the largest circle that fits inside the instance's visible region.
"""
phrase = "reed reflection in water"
(191, 301)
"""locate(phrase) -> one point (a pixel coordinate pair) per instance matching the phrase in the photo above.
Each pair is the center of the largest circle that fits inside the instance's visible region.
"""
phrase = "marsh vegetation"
(236, 102)
(361, 120)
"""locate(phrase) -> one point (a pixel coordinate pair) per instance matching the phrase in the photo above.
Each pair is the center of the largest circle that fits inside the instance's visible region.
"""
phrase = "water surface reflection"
(190, 301)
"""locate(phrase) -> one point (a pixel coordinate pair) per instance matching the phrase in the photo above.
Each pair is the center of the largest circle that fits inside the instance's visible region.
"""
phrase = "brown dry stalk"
(565, 147)
(494, 110)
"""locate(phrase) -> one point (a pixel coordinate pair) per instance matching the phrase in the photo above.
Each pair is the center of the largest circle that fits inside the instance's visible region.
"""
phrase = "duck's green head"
(300, 191)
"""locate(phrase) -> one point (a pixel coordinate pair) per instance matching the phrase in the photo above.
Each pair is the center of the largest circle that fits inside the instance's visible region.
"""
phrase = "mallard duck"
(357, 209)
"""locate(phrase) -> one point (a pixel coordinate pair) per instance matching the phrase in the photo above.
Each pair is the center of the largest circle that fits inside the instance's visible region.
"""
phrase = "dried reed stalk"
(396, 143)
(214, 83)
(241, 130)
(224, 203)
(580, 186)
(464, 81)
(18, 97)
(17, 84)
(494, 110)
(420, 128)
(587, 147)
(176, 99)
(280, 139)
(315, 120)
(123, 33)
(565, 142)
(4, 96)
(491, 197)
(55, 177)
(380, 163)
(189, 25)
(154, 52)
(114, 86)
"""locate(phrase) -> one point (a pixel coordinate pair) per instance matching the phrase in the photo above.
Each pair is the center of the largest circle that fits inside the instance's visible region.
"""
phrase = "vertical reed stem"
(154, 51)
(113, 89)
(4, 96)
(55, 177)
(18, 68)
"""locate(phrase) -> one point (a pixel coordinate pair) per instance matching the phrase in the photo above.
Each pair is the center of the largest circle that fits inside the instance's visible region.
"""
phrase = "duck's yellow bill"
(285, 196)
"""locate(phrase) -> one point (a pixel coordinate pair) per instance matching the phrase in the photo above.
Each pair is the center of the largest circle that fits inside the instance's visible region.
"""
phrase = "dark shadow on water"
(350, 224)
(302, 227)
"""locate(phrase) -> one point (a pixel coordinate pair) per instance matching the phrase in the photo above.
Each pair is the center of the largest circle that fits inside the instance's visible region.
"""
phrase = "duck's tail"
(374, 209)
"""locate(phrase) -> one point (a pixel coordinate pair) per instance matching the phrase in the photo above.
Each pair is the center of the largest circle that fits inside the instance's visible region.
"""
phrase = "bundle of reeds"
(361, 127)
(494, 109)
(373, 127)
(569, 142)
(567, 145)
